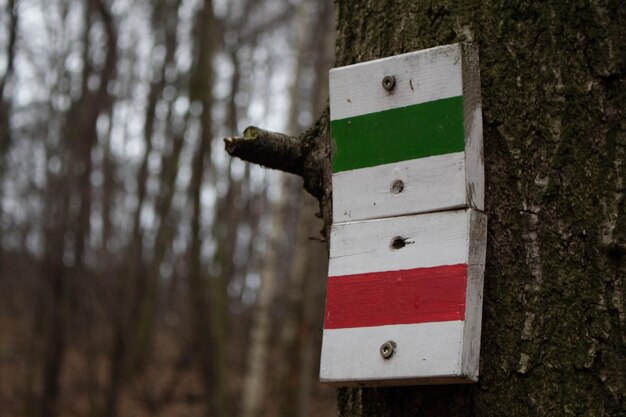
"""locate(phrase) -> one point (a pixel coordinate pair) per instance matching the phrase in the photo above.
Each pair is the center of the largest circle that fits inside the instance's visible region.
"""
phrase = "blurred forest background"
(142, 271)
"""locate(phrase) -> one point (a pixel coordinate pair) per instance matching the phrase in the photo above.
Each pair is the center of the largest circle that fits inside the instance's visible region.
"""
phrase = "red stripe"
(418, 295)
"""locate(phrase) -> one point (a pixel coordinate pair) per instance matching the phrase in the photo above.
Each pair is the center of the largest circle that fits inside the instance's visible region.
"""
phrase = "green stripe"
(412, 132)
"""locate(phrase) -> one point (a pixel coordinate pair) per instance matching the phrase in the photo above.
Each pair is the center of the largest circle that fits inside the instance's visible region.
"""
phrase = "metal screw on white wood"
(389, 82)
(387, 349)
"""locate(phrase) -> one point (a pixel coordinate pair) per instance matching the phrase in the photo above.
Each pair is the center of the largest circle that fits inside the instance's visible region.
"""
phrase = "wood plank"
(432, 239)
(473, 125)
(417, 295)
(381, 143)
(425, 184)
(399, 134)
(427, 353)
(407, 247)
(423, 351)
(422, 76)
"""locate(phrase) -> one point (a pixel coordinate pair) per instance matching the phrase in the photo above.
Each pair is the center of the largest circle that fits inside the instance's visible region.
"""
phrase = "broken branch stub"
(269, 149)
(306, 155)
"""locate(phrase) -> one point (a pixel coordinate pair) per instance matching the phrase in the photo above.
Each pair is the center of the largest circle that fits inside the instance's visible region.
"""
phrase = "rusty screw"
(389, 82)
(387, 349)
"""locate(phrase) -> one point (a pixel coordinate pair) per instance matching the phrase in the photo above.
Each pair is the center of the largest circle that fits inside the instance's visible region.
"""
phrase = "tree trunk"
(207, 324)
(555, 144)
(254, 384)
(553, 94)
(6, 103)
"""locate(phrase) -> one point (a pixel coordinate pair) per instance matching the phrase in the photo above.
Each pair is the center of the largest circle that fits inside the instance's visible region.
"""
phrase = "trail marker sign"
(407, 248)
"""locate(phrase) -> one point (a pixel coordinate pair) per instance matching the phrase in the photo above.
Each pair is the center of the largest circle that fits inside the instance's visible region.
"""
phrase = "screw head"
(387, 349)
(389, 82)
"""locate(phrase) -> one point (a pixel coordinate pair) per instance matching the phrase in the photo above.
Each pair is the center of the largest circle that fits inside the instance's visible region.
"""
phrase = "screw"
(389, 82)
(387, 349)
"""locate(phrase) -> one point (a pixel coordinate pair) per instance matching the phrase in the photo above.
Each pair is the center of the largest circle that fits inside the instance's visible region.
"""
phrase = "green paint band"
(401, 134)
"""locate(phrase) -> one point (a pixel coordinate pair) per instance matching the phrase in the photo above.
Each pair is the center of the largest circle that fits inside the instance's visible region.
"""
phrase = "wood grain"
(433, 239)
(403, 133)
(422, 76)
(427, 350)
(428, 353)
(407, 247)
(428, 184)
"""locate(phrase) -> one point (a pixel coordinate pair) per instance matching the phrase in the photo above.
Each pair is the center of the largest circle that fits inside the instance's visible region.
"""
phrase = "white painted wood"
(422, 76)
(433, 183)
(473, 127)
(436, 239)
(427, 353)
(474, 294)
(430, 213)
(424, 351)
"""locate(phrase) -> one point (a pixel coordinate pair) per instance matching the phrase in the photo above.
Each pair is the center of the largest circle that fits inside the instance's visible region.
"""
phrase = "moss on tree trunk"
(553, 87)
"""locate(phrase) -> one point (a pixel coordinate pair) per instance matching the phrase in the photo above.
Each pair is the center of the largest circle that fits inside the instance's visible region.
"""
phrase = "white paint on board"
(433, 239)
(427, 353)
(429, 184)
(427, 75)
(425, 350)
(434, 213)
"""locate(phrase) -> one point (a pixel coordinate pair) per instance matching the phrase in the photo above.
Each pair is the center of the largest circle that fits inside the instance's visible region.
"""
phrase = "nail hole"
(398, 242)
(397, 187)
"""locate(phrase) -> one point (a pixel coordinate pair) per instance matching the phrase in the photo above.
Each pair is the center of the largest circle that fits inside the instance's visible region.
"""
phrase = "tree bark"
(311, 149)
(554, 143)
(553, 92)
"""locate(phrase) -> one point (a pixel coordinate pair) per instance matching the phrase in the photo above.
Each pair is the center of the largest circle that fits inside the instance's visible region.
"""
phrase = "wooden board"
(432, 239)
(426, 132)
(425, 295)
(408, 240)
(350, 357)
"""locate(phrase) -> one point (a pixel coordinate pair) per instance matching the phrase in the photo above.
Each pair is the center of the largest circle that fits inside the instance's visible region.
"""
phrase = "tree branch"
(307, 155)
(269, 149)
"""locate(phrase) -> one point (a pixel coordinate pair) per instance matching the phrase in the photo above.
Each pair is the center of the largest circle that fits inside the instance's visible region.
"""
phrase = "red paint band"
(420, 295)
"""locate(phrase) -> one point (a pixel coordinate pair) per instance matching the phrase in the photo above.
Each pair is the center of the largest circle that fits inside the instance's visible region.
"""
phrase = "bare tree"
(139, 243)
(73, 185)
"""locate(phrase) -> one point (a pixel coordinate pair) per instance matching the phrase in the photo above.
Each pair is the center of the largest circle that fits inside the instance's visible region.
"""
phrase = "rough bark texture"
(553, 80)
(269, 149)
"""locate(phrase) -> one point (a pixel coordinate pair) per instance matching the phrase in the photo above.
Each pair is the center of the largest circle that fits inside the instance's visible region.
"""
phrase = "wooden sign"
(411, 148)
(407, 249)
